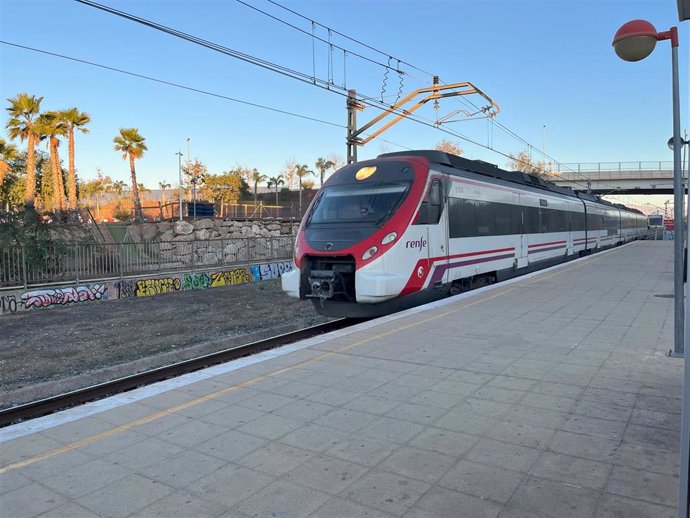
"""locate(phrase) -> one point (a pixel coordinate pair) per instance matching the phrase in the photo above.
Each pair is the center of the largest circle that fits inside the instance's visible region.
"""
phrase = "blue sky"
(546, 63)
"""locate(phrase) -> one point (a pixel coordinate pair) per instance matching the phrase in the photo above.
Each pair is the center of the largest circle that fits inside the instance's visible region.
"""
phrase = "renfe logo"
(417, 243)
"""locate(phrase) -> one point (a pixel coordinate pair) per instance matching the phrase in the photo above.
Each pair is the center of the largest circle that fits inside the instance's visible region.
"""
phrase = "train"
(411, 227)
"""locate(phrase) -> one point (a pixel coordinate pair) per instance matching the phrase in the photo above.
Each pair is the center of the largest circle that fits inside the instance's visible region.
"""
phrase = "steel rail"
(53, 404)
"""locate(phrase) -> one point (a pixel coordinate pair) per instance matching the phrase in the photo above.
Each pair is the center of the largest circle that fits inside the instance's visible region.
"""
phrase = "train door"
(521, 247)
(437, 231)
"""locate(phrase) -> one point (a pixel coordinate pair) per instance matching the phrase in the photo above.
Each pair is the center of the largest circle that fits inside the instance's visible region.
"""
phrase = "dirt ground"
(47, 352)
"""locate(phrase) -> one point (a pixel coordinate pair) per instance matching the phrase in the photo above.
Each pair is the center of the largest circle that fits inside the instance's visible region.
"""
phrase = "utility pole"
(352, 106)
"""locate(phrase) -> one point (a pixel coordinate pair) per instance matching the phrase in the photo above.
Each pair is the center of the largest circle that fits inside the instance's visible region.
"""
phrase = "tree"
(301, 172)
(288, 172)
(131, 143)
(224, 187)
(448, 146)
(73, 120)
(163, 186)
(50, 126)
(275, 181)
(24, 110)
(8, 153)
(322, 165)
(523, 162)
(96, 188)
(256, 178)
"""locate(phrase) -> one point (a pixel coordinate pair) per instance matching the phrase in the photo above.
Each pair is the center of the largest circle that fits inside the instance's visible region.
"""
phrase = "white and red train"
(406, 228)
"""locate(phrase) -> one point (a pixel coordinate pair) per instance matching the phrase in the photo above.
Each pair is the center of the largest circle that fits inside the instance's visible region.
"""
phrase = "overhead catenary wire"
(286, 71)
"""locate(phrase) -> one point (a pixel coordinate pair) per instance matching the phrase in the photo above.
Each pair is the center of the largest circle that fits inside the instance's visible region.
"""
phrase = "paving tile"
(434, 398)
(345, 419)
(113, 443)
(325, 473)
(419, 464)
(265, 402)
(337, 507)
(51, 466)
(282, 499)
(642, 485)
(453, 444)
(182, 468)
(499, 394)
(460, 420)
(422, 414)
(389, 429)
(192, 432)
(76, 430)
(85, 478)
(362, 450)
(270, 426)
(656, 419)
(490, 482)
(232, 416)
(593, 426)
(229, 485)
(601, 410)
(439, 502)
(521, 433)
(11, 480)
(70, 510)
(662, 438)
(315, 438)
(572, 470)
(560, 404)
(555, 499)
(331, 396)
(303, 409)
(503, 454)
(231, 445)
(484, 408)
(659, 404)
(387, 492)
(613, 506)
(586, 446)
(275, 458)
(30, 500)
(180, 505)
(108, 501)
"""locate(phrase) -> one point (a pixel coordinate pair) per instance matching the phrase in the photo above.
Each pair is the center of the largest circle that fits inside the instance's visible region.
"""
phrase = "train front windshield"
(358, 204)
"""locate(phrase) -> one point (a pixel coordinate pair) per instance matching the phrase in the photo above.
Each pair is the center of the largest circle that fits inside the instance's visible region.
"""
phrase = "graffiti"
(9, 304)
(264, 272)
(231, 277)
(148, 287)
(64, 296)
(196, 281)
(125, 289)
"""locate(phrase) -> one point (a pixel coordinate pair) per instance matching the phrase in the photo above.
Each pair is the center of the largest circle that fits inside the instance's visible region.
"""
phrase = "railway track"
(84, 395)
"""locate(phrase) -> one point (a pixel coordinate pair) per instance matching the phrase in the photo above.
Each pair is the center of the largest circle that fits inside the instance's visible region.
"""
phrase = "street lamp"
(635, 41)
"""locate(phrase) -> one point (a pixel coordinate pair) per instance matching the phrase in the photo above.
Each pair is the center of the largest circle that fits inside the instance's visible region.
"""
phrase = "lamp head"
(635, 40)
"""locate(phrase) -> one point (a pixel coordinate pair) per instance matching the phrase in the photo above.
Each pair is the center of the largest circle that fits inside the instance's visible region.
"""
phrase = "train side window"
(435, 202)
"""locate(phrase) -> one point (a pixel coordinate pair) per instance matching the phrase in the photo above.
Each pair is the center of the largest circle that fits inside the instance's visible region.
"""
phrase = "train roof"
(492, 170)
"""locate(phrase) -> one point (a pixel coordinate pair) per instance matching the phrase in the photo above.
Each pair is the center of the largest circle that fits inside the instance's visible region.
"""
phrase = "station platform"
(550, 395)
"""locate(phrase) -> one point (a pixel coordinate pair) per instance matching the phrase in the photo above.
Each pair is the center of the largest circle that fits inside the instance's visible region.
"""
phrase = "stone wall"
(204, 229)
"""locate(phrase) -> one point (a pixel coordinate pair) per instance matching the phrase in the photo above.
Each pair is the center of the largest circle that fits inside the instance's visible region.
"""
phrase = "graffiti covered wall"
(146, 286)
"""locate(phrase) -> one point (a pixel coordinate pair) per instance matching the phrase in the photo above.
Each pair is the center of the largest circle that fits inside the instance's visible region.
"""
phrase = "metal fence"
(591, 167)
(24, 266)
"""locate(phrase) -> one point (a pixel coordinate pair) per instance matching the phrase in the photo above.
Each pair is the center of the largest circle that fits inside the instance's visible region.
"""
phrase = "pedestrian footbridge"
(616, 177)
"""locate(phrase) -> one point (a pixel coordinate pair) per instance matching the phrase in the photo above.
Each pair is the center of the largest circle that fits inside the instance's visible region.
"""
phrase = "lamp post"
(635, 41)
(179, 187)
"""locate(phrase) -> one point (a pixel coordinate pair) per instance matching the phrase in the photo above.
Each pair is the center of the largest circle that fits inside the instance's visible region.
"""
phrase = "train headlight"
(389, 238)
(370, 253)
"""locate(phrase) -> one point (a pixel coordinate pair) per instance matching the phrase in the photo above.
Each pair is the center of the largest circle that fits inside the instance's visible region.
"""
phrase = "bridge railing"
(598, 167)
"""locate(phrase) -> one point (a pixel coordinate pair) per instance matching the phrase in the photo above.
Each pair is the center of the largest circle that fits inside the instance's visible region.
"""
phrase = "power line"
(300, 76)
(170, 83)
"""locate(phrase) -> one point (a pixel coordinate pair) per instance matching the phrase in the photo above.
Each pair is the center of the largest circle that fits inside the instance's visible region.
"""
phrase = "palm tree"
(23, 112)
(119, 187)
(256, 178)
(301, 172)
(322, 164)
(275, 181)
(73, 120)
(7, 153)
(131, 143)
(49, 125)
